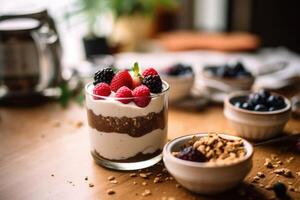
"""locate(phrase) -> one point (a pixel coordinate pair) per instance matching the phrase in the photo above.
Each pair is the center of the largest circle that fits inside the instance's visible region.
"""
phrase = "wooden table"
(44, 154)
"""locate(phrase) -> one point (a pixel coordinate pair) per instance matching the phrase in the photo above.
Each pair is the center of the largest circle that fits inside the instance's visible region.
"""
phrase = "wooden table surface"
(44, 154)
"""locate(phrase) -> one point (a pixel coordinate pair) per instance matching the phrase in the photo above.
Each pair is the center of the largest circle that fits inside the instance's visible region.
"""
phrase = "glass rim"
(152, 95)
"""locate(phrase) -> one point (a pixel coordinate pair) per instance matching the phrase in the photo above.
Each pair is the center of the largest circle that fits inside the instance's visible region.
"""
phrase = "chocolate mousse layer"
(137, 158)
(135, 126)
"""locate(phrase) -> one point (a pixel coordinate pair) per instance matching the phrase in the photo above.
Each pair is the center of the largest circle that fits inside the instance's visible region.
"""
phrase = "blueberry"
(256, 99)
(247, 106)
(279, 189)
(238, 104)
(276, 101)
(239, 67)
(272, 108)
(264, 93)
(260, 107)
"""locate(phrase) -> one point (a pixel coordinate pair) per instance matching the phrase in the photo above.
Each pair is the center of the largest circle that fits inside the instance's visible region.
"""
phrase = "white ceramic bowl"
(180, 86)
(225, 84)
(203, 177)
(254, 125)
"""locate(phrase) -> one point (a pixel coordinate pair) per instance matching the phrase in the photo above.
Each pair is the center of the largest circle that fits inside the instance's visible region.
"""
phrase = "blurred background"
(49, 48)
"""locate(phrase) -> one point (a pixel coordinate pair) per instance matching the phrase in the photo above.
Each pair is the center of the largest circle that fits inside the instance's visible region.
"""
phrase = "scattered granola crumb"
(143, 175)
(261, 185)
(157, 180)
(171, 178)
(147, 192)
(260, 175)
(86, 178)
(268, 187)
(134, 182)
(144, 183)
(178, 185)
(290, 159)
(91, 185)
(290, 183)
(255, 179)
(110, 178)
(110, 192)
(114, 181)
(149, 173)
(160, 174)
(298, 173)
(274, 156)
(164, 170)
(291, 188)
(268, 163)
(284, 172)
(132, 175)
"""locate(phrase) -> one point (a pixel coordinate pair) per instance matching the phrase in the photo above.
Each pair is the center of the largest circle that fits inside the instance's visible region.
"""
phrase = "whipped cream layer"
(113, 108)
(115, 146)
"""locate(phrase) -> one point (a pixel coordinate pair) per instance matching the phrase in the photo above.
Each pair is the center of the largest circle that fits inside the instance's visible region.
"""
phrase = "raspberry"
(124, 92)
(141, 96)
(101, 89)
(103, 75)
(122, 78)
(149, 71)
(154, 83)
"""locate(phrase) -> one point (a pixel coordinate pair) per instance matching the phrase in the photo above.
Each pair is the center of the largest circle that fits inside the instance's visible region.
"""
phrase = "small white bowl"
(180, 86)
(226, 84)
(204, 177)
(255, 125)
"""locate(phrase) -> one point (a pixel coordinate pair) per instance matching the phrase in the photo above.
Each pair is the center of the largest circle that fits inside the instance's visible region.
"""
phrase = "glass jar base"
(126, 166)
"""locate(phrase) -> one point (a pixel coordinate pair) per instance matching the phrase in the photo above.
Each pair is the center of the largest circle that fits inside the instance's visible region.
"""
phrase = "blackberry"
(191, 154)
(103, 75)
(154, 83)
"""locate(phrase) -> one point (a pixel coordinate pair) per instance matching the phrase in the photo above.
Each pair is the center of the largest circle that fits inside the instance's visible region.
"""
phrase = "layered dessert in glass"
(127, 116)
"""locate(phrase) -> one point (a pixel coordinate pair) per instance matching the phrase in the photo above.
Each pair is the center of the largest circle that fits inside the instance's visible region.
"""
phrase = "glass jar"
(125, 136)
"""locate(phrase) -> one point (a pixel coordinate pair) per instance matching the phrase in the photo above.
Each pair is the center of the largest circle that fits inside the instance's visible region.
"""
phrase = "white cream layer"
(113, 108)
(118, 146)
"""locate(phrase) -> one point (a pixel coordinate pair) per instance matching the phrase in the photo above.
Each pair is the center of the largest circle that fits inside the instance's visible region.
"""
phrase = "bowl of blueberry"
(257, 115)
(208, 163)
(227, 77)
(181, 80)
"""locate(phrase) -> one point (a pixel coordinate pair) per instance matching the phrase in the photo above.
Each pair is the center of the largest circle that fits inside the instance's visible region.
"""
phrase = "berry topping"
(149, 71)
(103, 75)
(179, 69)
(154, 83)
(122, 78)
(236, 70)
(101, 89)
(124, 92)
(261, 101)
(142, 96)
(191, 154)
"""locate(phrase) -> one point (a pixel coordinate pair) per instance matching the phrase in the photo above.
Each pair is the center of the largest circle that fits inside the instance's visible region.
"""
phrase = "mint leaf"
(136, 69)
